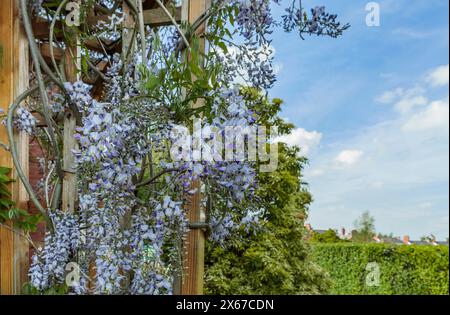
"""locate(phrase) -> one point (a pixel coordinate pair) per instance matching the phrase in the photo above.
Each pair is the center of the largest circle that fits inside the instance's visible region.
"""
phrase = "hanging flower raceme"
(79, 94)
(255, 19)
(24, 120)
(49, 264)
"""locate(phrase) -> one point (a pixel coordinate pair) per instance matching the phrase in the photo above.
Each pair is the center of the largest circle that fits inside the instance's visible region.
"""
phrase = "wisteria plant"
(127, 232)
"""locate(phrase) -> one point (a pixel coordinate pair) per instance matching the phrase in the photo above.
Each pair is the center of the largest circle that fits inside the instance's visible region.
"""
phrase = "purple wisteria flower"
(24, 120)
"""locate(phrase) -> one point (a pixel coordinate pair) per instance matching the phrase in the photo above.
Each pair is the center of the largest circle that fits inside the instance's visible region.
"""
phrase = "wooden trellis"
(14, 77)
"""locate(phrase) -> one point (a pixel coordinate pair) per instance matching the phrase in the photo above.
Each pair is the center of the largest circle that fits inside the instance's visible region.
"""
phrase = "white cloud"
(439, 76)
(436, 115)
(390, 96)
(378, 184)
(306, 140)
(404, 100)
(278, 67)
(419, 114)
(349, 157)
(416, 34)
(426, 205)
(316, 172)
(406, 104)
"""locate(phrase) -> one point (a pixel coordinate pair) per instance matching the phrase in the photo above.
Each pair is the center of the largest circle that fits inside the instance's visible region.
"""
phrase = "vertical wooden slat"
(180, 278)
(72, 61)
(6, 95)
(69, 193)
(192, 282)
(13, 81)
(127, 33)
(6, 70)
(21, 83)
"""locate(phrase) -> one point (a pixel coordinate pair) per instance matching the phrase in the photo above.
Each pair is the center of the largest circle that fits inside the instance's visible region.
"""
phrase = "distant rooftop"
(383, 239)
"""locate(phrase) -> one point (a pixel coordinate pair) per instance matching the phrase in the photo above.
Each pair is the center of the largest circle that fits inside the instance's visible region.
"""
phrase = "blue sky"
(372, 114)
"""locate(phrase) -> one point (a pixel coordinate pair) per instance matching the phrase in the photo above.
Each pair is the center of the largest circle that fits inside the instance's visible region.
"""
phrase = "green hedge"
(403, 269)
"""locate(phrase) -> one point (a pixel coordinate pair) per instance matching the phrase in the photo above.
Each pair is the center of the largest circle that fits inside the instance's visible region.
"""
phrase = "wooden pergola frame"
(14, 78)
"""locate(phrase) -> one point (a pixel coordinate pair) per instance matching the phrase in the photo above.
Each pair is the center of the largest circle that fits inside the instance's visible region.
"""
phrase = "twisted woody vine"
(129, 221)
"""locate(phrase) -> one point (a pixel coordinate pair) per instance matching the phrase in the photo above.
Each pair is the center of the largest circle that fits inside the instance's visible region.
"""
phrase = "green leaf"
(5, 203)
(152, 82)
(4, 170)
(5, 179)
(11, 213)
(223, 46)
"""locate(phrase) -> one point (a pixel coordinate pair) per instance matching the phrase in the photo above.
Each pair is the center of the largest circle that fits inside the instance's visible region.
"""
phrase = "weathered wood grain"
(13, 81)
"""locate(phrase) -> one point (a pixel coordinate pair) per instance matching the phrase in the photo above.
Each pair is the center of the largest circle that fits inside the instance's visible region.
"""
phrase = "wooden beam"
(102, 66)
(151, 4)
(194, 261)
(148, 4)
(58, 53)
(153, 17)
(157, 17)
(41, 29)
(13, 81)
(108, 45)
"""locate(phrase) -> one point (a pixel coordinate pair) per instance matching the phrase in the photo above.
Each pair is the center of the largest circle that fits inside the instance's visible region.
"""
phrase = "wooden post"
(69, 191)
(13, 81)
(72, 61)
(128, 24)
(194, 260)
